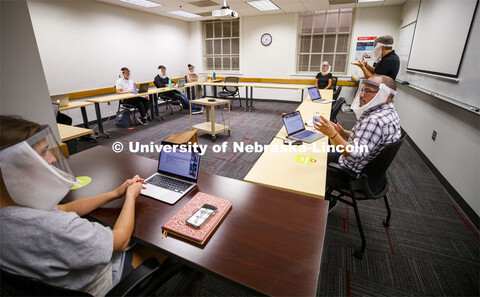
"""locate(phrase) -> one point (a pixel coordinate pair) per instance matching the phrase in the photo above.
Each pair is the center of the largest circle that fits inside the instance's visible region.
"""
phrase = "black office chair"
(337, 105)
(336, 93)
(371, 184)
(168, 100)
(15, 285)
(334, 83)
(228, 92)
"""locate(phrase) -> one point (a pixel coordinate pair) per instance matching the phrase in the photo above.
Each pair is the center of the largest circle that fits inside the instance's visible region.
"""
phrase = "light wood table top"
(117, 97)
(255, 85)
(295, 171)
(75, 104)
(71, 132)
(205, 102)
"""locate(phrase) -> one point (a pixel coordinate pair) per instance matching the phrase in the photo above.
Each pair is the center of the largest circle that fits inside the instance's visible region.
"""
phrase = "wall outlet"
(434, 135)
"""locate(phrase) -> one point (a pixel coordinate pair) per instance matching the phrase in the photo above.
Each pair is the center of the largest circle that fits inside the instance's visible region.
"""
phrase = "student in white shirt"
(125, 85)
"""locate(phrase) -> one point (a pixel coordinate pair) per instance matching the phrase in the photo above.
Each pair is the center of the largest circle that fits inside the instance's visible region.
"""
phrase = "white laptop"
(177, 173)
(296, 129)
(202, 78)
(61, 100)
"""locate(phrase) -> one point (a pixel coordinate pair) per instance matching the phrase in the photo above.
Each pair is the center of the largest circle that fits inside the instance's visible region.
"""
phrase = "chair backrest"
(16, 285)
(337, 105)
(336, 93)
(376, 169)
(334, 83)
(231, 79)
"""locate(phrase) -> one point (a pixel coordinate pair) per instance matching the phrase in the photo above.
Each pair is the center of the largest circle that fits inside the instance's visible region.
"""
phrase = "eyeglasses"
(368, 92)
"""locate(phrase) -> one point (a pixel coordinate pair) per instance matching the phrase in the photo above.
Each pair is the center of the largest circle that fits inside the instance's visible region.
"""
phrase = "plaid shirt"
(376, 128)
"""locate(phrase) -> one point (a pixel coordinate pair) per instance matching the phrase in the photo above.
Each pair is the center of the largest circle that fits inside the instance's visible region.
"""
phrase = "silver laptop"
(143, 87)
(202, 78)
(177, 173)
(296, 129)
(181, 82)
(316, 96)
(61, 100)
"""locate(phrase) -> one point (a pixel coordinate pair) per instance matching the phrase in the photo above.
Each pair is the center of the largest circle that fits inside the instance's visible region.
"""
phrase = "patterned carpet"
(430, 249)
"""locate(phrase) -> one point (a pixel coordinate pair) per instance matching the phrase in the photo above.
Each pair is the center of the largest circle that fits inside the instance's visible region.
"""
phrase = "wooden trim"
(110, 90)
(408, 24)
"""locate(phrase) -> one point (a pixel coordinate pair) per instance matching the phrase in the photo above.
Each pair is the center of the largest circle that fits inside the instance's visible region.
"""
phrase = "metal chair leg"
(386, 222)
(359, 253)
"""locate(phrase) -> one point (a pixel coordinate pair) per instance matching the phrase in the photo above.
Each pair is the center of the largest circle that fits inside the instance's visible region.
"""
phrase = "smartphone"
(201, 215)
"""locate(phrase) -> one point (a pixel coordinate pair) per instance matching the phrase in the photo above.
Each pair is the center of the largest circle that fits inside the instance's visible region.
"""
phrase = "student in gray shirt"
(50, 242)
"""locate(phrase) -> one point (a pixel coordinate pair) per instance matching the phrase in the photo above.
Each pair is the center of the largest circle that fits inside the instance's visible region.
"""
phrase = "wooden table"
(290, 171)
(271, 241)
(117, 97)
(187, 137)
(210, 126)
(71, 132)
(81, 105)
(250, 107)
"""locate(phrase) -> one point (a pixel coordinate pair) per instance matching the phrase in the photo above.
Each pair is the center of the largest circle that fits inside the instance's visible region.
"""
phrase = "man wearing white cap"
(389, 63)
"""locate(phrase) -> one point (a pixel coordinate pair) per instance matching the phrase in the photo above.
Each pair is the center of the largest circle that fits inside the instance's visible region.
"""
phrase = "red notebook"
(177, 225)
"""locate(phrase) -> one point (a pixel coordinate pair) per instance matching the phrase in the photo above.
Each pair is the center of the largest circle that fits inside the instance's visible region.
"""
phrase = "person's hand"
(134, 189)
(120, 191)
(324, 126)
(339, 129)
(360, 63)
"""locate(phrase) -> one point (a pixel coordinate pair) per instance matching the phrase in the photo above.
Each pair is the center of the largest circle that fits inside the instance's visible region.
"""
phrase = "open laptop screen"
(293, 122)
(314, 93)
(179, 163)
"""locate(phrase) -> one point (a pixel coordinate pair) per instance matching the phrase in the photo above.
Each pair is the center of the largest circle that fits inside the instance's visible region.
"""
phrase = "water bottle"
(170, 83)
(214, 76)
(316, 115)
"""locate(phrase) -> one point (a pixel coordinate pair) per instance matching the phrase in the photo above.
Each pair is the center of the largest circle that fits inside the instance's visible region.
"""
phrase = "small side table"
(210, 126)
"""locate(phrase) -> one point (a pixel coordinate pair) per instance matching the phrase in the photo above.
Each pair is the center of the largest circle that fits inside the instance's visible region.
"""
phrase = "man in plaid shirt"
(378, 125)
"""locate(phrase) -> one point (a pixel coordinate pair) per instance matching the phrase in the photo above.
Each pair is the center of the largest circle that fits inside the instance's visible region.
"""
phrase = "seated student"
(193, 77)
(377, 126)
(324, 78)
(161, 81)
(124, 85)
(50, 242)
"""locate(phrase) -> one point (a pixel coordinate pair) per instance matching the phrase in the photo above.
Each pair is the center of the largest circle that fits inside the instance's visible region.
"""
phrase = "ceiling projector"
(225, 12)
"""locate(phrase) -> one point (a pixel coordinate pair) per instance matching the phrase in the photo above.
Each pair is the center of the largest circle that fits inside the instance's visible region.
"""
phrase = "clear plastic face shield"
(35, 172)
(370, 94)
(377, 51)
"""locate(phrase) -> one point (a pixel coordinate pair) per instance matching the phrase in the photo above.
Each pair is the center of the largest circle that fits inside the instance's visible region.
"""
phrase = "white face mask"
(377, 51)
(30, 180)
(380, 98)
(160, 73)
(328, 70)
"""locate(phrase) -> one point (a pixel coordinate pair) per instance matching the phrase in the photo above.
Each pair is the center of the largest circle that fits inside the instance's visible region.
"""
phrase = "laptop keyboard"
(169, 183)
(304, 134)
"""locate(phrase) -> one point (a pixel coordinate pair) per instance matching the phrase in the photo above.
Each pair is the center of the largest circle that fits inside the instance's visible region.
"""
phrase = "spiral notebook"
(177, 225)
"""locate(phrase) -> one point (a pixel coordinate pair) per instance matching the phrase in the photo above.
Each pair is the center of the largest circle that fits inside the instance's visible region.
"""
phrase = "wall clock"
(266, 39)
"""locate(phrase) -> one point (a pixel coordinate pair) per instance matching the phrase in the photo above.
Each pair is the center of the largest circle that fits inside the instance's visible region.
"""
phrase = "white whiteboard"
(440, 35)
(465, 91)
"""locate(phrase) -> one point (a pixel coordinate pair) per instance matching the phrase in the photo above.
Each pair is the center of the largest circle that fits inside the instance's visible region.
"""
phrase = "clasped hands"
(131, 187)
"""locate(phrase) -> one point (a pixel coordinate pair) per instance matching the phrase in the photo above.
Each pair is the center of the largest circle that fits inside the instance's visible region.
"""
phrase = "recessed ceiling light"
(184, 14)
(360, 1)
(143, 3)
(263, 5)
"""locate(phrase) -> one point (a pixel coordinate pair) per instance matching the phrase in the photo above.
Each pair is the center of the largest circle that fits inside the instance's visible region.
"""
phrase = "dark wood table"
(271, 241)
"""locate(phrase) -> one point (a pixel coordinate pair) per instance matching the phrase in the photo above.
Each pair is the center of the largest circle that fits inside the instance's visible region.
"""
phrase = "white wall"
(455, 153)
(23, 86)
(83, 44)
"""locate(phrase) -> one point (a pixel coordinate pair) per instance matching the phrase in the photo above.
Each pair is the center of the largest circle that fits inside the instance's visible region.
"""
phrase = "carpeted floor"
(430, 249)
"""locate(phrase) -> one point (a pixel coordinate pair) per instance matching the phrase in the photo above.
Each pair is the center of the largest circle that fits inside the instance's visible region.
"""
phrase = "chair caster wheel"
(229, 133)
(386, 224)
(358, 254)
(214, 138)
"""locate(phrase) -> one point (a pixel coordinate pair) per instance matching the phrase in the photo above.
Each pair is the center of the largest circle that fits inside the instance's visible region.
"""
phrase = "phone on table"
(201, 215)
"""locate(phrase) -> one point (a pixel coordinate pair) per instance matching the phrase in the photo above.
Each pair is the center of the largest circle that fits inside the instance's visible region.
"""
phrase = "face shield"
(377, 51)
(366, 90)
(35, 171)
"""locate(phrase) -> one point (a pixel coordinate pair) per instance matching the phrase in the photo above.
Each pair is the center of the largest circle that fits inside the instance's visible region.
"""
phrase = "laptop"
(143, 88)
(316, 96)
(202, 78)
(61, 100)
(181, 82)
(177, 174)
(296, 129)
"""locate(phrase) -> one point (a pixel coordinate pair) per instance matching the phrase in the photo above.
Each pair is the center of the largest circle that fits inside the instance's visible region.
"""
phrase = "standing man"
(389, 63)
(125, 85)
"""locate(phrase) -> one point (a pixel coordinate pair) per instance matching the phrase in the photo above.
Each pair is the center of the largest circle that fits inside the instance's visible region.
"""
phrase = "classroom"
(240, 148)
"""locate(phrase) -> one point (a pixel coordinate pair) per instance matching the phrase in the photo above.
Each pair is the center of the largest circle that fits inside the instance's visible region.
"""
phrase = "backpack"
(123, 118)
